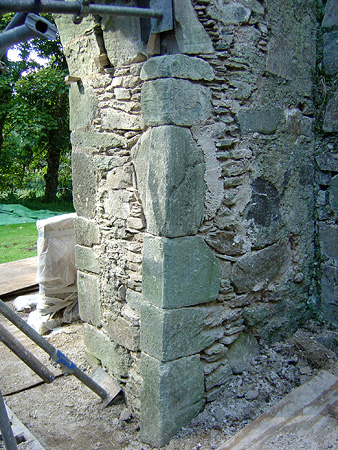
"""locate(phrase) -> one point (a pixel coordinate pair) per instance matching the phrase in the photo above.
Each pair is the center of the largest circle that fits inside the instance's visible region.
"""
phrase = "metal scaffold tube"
(58, 357)
(5, 427)
(25, 355)
(75, 7)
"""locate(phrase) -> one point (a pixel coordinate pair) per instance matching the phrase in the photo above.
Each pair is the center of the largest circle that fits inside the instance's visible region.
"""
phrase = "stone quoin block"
(112, 355)
(86, 231)
(122, 38)
(170, 168)
(80, 44)
(85, 259)
(169, 334)
(83, 106)
(88, 287)
(179, 272)
(170, 101)
(191, 35)
(84, 182)
(172, 394)
(69, 31)
(177, 66)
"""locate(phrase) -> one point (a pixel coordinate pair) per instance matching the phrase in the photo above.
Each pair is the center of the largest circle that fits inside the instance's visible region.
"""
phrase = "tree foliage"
(34, 132)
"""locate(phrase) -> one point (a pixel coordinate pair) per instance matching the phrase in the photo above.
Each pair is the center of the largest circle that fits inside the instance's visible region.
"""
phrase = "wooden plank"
(17, 276)
(305, 418)
(14, 374)
(19, 428)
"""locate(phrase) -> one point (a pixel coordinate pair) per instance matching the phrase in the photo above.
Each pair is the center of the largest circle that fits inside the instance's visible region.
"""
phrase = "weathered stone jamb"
(110, 226)
(172, 395)
(178, 268)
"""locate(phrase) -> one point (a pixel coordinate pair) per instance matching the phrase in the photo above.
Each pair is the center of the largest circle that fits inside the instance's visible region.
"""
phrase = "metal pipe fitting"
(160, 11)
(18, 19)
(34, 26)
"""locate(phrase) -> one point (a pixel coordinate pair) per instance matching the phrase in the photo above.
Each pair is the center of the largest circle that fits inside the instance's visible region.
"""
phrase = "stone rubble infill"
(274, 372)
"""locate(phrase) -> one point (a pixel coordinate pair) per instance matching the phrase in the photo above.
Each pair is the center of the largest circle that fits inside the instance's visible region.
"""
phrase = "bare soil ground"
(66, 415)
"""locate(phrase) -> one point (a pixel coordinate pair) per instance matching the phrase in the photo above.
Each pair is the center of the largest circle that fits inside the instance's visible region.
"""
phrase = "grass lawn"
(17, 241)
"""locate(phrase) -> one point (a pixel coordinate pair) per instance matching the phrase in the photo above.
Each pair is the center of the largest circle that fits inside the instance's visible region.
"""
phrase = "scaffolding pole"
(76, 8)
(5, 427)
(56, 355)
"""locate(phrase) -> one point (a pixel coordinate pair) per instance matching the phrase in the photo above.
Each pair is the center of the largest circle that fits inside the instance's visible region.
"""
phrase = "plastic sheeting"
(56, 255)
(56, 274)
(45, 318)
(26, 302)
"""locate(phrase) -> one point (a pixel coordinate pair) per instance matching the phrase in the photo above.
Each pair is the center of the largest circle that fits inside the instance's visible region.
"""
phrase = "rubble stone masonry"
(197, 171)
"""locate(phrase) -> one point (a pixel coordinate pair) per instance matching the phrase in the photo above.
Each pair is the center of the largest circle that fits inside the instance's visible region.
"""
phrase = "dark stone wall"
(262, 128)
(326, 97)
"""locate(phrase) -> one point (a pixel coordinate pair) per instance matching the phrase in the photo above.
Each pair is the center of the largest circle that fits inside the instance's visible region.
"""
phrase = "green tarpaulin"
(11, 214)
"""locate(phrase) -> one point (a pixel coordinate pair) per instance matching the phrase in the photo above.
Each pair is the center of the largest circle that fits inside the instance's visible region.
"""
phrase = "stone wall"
(105, 59)
(194, 181)
(259, 150)
(327, 158)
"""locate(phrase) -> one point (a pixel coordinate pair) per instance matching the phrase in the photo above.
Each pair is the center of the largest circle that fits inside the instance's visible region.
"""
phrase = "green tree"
(39, 115)
(10, 72)
(34, 131)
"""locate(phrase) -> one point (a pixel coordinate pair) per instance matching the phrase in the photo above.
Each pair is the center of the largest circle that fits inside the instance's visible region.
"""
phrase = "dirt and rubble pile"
(274, 372)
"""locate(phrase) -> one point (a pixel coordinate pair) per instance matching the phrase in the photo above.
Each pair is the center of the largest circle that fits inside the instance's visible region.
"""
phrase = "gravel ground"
(66, 415)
